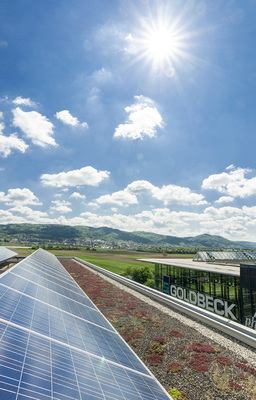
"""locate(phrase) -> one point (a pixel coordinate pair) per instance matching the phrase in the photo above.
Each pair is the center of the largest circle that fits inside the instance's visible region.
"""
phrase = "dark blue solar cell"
(91, 396)
(7, 394)
(31, 393)
(14, 373)
(42, 386)
(8, 279)
(70, 390)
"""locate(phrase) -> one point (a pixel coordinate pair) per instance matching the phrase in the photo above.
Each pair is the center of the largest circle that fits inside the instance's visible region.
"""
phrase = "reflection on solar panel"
(5, 254)
(224, 255)
(55, 344)
(250, 255)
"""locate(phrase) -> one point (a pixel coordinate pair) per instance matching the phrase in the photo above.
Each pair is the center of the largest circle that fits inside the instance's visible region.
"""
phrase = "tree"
(139, 274)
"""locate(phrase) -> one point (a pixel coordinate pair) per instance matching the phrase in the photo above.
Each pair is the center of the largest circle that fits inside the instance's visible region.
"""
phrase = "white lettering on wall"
(218, 306)
(251, 322)
(209, 303)
(192, 297)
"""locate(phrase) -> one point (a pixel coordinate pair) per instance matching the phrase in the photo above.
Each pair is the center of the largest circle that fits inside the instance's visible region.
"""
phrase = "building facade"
(222, 282)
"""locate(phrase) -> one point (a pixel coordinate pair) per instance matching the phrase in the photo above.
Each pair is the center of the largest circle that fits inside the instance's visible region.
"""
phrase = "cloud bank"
(169, 194)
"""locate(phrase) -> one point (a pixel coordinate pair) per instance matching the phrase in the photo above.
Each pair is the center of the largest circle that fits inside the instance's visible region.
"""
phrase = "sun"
(161, 41)
(161, 45)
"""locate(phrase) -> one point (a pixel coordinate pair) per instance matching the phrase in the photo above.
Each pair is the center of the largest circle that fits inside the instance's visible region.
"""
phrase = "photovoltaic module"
(5, 254)
(55, 344)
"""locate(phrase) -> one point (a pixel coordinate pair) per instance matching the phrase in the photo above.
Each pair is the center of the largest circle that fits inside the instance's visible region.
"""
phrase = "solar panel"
(201, 256)
(250, 255)
(224, 255)
(5, 253)
(55, 344)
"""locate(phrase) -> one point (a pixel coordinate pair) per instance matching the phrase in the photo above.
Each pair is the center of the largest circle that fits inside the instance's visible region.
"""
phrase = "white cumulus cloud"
(225, 199)
(172, 194)
(9, 143)
(233, 184)
(169, 194)
(22, 101)
(68, 119)
(61, 206)
(19, 197)
(121, 198)
(143, 120)
(28, 211)
(35, 126)
(84, 176)
(141, 187)
(77, 195)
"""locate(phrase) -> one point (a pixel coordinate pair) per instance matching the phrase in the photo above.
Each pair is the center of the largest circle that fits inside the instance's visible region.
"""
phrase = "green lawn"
(116, 266)
(114, 261)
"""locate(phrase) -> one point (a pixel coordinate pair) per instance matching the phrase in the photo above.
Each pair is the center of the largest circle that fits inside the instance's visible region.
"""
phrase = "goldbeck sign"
(216, 305)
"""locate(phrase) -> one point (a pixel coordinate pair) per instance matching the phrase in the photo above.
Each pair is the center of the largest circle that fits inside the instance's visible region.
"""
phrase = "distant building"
(221, 282)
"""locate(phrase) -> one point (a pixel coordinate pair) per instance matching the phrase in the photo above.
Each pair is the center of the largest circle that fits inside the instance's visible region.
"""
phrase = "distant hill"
(44, 233)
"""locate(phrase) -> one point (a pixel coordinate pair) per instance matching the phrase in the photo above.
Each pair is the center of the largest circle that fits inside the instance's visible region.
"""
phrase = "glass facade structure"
(218, 286)
(224, 255)
(223, 281)
(248, 293)
(249, 307)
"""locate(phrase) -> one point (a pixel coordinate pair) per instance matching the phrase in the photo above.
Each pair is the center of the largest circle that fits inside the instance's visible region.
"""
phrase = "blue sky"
(136, 115)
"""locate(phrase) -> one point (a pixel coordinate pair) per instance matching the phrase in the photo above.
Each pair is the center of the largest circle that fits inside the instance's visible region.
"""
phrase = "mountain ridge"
(64, 233)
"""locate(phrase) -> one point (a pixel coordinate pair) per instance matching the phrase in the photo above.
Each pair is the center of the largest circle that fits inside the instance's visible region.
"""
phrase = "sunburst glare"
(161, 45)
(161, 41)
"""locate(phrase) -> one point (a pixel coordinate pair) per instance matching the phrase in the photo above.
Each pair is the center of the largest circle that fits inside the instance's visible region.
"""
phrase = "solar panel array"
(55, 344)
(5, 253)
(224, 255)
